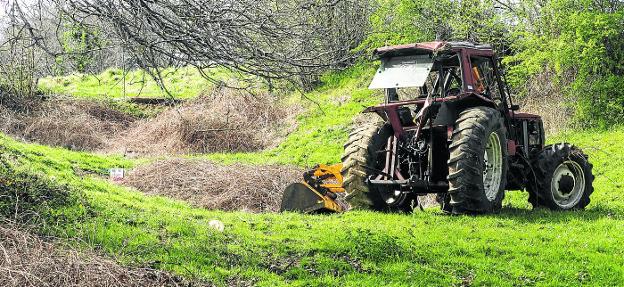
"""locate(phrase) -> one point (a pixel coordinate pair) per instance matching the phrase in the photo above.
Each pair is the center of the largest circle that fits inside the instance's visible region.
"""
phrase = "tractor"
(448, 126)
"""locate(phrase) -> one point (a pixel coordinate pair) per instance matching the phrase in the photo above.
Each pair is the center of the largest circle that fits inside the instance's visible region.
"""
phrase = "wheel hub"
(393, 197)
(566, 184)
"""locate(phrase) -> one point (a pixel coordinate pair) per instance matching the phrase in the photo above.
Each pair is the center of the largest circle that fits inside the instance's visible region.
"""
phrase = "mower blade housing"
(301, 197)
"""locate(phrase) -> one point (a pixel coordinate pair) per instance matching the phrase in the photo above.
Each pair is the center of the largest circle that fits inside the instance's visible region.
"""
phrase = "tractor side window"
(443, 79)
(485, 78)
(453, 82)
(420, 92)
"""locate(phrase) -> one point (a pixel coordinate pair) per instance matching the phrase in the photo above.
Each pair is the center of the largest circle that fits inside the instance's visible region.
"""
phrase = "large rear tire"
(365, 151)
(564, 178)
(477, 162)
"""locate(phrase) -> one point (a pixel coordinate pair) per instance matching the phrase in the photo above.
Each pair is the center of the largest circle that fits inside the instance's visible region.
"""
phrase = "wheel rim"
(568, 184)
(492, 166)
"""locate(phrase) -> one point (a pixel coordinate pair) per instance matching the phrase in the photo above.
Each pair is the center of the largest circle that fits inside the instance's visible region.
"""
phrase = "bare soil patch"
(28, 260)
(213, 186)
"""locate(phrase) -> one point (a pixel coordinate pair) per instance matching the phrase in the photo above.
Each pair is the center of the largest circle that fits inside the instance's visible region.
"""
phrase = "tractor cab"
(445, 78)
(439, 70)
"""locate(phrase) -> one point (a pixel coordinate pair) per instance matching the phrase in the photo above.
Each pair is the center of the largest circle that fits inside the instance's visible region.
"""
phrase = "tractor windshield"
(411, 77)
(402, 72)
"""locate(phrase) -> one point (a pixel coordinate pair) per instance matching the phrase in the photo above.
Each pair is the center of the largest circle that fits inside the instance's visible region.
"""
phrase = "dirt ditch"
(212, 186)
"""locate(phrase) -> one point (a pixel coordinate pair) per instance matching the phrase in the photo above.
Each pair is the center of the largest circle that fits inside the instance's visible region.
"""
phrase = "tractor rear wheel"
(363, 153)
(477, 162)
(563, 178)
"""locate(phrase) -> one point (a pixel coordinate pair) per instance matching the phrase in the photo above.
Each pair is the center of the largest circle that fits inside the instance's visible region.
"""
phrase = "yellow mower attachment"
(318, 192)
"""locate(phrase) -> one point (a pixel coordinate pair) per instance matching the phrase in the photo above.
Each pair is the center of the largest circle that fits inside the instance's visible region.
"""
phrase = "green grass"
(516, 247)
(182, 83)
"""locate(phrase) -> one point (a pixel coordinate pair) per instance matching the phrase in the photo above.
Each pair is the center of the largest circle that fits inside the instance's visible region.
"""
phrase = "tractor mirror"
(515, 107)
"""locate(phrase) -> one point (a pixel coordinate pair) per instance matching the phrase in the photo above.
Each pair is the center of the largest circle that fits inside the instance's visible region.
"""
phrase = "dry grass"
(228, 120)
(27, 260)
(229, 188)
(199, 182)
(75, 124)
(545, 98)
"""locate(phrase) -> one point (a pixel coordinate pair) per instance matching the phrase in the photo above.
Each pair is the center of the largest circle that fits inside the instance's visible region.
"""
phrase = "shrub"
(583, 43)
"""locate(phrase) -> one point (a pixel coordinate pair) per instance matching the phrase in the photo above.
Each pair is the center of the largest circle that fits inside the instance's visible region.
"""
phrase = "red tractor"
(448, 126)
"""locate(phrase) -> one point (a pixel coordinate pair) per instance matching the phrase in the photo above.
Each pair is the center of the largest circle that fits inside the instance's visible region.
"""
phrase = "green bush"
(583, 43)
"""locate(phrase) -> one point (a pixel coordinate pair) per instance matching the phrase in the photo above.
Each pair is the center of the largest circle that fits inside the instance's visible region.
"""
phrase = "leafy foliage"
(405, 21)
(583, 43)
(78, 41)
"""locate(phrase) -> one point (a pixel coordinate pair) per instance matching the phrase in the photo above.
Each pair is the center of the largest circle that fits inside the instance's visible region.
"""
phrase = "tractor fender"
(448, 111)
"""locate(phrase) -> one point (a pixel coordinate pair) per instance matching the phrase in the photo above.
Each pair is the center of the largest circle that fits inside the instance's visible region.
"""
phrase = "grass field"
(182, 83)
(518, 247)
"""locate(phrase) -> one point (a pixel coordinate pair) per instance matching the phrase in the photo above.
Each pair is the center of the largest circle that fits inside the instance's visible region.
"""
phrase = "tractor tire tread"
(544, 165)
(468, 141)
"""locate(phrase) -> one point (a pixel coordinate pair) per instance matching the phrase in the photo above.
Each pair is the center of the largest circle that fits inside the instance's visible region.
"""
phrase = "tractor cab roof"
(432, 47)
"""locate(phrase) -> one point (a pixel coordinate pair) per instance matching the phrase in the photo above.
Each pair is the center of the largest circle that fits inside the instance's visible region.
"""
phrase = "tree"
(266, 38)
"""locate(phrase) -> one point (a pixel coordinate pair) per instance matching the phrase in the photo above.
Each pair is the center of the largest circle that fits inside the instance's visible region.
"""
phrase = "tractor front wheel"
(563, 178)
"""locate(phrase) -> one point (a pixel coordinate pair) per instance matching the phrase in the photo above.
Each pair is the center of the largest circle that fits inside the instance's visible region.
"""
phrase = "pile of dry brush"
(545, 98)
(223, 187)
(71, 123)
(27, 260)
(227, 120)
